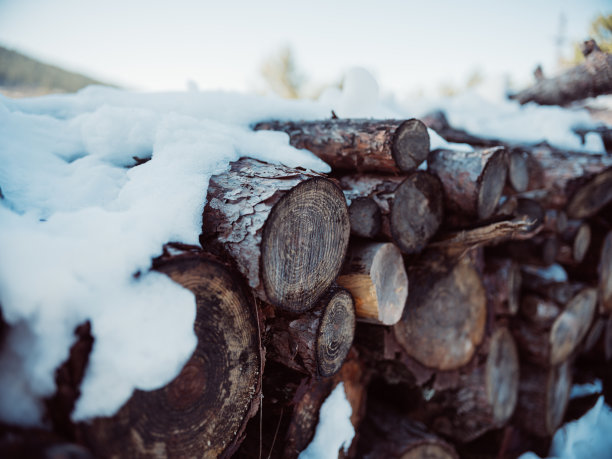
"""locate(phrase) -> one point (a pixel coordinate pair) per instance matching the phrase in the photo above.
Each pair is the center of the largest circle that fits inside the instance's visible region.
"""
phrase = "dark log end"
(518, 173)
(492, 183)
(410, 144)
(365, 217)
(191, 416)
(502, 376)
(304, 243)
(592, 196)
(417, 211)
(605, 274)
(336, 332)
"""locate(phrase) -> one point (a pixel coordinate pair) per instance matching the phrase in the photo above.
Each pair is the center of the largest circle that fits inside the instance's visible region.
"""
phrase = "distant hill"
(22, 75)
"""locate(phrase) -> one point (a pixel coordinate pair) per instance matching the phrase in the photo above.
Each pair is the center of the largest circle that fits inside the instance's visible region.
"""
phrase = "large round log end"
(304, 243)
(410, 144)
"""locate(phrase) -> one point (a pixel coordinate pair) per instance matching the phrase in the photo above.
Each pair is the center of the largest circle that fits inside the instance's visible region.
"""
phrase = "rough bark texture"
(486, 396)
(286, 229)
(204, 410)
(473, 181)
(388, 146)
(374, 273)
(548, 334)
(444, 319)
(543, 396)
(316, 342)
(411, 207)
(502, 282)
(365, 217)
(590, 79)
(387, 433)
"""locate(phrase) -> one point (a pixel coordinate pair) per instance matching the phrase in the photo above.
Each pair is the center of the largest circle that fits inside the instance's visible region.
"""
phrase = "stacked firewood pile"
(456, 294)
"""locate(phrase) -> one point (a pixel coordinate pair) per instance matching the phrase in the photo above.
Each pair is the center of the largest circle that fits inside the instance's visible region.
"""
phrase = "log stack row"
(451, 292)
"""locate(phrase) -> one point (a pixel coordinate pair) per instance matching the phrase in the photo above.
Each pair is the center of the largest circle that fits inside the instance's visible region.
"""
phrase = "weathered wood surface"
(374, 273)
(444, 319)
(318, 341)
(473, 181)
(387, 146)
(502, 281)
(592, 78)
(411, 206)
(191, 416)
(286, 229)
(605, 274)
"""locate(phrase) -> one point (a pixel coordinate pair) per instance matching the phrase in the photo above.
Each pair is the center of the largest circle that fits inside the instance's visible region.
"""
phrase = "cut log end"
(336, 332)
(518, 173)
(605, 274)
(502, 376)
(417, 211)
(592, 196)
(581, 243)
(492, 185)
(429, 450)
(376, 277)
(410, 144)
(558, 387)
(190, 416)
(365, 217)
(304, 243)
(444, 318)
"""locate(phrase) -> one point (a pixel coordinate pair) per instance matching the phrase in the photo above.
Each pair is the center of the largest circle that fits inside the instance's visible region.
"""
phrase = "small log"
(387, 146)
(388, 433)
(438, 122)
(502, 282)
(374, 273)
(411, 206)
(543, 397)
(191, 416)
(540, 250)
(605, 275)
(548, 334)
(444, 319)
(555, 221)
(318, 341)
(576, 239)
(485, 397)
(286, 229)
(365, 217)
(592, 78)
(473, 181)
(518, 169)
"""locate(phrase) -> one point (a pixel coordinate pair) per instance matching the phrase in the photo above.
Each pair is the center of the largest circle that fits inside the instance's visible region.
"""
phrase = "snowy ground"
(77, 222)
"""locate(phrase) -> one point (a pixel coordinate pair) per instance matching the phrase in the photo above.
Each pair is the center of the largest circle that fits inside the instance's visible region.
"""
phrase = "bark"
(374, 273)
(485, 397)
(411, 207)
(444, 319)
(502, 282)
(473, 181)
(388, 433)
(605, 274)
(388, 146)
(317, 342)
(548, 334)
(590, 79)
(540, 250)
(543, 396)
(286, 229)
(191, 416)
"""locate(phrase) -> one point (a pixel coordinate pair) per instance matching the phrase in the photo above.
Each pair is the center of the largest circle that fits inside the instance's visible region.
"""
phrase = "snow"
(552, 273)
(588, 436)
(79, 226)
(334, 430)
(581, 390)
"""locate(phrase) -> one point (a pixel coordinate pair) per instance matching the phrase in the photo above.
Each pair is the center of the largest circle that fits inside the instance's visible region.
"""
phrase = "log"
(590, 79)
(318, 341)
(502, 282)
(411, 207)
(540, 250)
(518, 169)
(286, 229)
(473, 181)
(548, 334)
(577, 239)
(388, 433)
(374, 273)
(444, 319)
(204, 410)
(604, 270)
(485, 397)
(438, 122)
(543, 396)
(365, 217)
(387, 146)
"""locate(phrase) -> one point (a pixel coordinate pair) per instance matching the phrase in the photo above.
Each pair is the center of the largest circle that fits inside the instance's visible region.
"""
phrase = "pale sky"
(407, 45)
